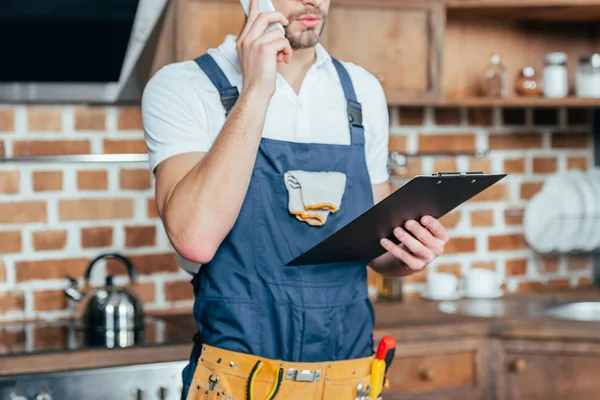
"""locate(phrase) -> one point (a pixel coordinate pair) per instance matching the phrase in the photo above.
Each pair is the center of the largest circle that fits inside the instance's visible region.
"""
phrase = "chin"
(304, 40)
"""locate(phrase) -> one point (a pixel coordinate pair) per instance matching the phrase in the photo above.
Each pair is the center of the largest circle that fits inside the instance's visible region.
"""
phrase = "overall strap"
(353, 107)
(229, 94)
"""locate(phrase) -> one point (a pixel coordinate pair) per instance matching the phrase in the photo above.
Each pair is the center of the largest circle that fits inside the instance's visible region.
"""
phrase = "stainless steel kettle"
(108, 310)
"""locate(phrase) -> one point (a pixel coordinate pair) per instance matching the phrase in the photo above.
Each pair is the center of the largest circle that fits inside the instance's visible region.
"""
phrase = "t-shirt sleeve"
(377, 127)
(171, 124)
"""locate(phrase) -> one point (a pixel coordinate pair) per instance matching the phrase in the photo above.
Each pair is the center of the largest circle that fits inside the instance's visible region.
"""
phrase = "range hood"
(74, 50)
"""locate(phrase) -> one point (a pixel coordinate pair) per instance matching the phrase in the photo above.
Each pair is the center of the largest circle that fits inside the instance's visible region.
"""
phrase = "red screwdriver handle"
(386, 351)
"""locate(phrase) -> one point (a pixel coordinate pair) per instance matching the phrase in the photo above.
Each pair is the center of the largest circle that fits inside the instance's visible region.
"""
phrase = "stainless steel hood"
(74, 50)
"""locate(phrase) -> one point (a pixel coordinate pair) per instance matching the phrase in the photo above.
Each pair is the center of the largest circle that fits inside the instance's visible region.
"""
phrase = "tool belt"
(227, 375)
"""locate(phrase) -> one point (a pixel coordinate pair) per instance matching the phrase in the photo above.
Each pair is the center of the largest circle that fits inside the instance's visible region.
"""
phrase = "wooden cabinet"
(400, 42)
(453, 369)
(548, 370)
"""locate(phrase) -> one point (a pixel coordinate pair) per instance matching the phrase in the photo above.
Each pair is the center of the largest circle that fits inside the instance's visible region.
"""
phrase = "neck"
(295, 71)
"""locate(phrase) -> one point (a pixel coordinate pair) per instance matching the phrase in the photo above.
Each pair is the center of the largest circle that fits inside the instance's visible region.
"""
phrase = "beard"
(305, 38)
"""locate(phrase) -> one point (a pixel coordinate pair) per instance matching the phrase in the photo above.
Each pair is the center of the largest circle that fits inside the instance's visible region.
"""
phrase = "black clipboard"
(434, 195)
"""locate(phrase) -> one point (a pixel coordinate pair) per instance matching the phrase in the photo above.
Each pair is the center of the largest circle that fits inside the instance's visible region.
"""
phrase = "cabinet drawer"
(433, 372)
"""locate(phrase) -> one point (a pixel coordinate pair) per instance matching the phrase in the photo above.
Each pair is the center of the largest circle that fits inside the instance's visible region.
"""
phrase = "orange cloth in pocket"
(216, 378)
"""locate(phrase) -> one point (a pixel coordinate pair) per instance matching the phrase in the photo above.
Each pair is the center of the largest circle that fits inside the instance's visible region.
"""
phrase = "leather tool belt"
(227, 375)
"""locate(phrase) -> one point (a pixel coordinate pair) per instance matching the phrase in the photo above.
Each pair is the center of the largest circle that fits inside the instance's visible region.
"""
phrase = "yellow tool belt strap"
(229, 375)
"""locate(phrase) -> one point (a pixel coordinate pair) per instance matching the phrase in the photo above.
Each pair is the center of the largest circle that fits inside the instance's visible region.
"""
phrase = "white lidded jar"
(556, 76)
(587, 80)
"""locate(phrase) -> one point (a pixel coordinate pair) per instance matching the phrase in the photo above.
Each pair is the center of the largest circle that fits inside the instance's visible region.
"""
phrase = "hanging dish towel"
(313, 195)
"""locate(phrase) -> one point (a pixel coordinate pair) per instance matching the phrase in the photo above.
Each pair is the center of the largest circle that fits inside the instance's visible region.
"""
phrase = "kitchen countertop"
(170, 340)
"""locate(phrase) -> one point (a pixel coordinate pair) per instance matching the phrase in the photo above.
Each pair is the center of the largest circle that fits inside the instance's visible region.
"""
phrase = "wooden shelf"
(478, 102)
(534, 10)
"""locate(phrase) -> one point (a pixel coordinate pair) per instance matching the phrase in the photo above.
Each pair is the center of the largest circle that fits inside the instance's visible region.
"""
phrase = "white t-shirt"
(182, 110)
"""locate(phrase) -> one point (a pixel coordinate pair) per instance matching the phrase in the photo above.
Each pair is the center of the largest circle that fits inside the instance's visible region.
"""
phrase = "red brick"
(130, 118)
(151, 207)
(529, 189)
(50, 337)
(581, 163)
(531, 286)
(451, 219)
(50, 269)
(140, 236)
(23, 212)
(570, 141)
(51, 300)
(515, 141)
(491, 265)
(47, 181)
(12, 301)
(7, 120)
(95, 209)
(147, 264)
(480, 165)
(516, 267)
(446, 164)
(44, 119)
(131, 146)
(480, 116)
(514, 166)
(92, 180)
(135, 179)
(2, 149)
(411, 116)
(559, 284)
(449, 268)
(90, 119)
(513, 216)
(178, 291)
(577, 263)
(413, 167)
(10, 242)
(50, 147)
(482, 218)
(584, 281)
(9, 182)
(458, 142)
(447, 116)
(545, 165)
(497, 192)
(505, 242)
(49, 240)
(96, 237)
(460, 245)
(550, 264)
(2, 272)
(397, 143)
(145, 291)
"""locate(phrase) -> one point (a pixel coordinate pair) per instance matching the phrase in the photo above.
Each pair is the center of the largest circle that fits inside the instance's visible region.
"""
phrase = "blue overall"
(247, 300)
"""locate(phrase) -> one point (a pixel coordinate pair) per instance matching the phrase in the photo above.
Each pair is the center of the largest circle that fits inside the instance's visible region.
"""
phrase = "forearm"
(204, 205)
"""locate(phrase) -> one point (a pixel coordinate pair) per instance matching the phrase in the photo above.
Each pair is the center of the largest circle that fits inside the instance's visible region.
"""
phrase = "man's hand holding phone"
(259, 52)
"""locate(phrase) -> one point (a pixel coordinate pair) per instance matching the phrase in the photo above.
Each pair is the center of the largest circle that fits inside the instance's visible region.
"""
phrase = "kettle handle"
(128, 264)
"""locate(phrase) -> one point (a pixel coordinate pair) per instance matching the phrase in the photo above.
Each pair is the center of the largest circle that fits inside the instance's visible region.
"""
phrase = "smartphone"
(263, 6)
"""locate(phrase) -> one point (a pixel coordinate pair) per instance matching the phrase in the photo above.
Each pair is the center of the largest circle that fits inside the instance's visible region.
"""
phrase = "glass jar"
(556, 77)
(587, 79)
(527, 84)
(496, 78)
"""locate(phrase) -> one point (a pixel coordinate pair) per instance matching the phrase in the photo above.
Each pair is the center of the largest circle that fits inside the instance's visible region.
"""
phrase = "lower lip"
(309, 23)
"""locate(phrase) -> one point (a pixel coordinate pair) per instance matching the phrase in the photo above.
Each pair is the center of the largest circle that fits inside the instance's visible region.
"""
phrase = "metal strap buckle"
(303, 376)
(354, 113)
(229, 97)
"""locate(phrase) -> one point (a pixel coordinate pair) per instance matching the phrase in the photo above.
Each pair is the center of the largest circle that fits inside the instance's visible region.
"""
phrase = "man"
(220, 156)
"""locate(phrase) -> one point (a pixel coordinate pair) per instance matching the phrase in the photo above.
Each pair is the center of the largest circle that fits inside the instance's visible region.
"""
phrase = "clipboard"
(434, 195)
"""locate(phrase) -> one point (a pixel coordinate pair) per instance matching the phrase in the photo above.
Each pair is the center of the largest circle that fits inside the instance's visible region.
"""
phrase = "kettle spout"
(72, 292)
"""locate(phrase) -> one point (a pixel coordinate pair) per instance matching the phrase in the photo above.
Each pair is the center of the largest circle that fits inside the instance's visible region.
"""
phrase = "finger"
(412, 262)
(422, 234)
(270, 36)
(252, 15)
(279, 57)
(435, 227)
(262, 22)
(414, 246)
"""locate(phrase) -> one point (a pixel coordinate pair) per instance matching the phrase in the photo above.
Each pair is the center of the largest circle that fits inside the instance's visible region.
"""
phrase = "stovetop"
(61, 336)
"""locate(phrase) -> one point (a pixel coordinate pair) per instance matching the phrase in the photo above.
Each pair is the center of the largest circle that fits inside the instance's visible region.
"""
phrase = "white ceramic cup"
(482, 283)
(441, 285)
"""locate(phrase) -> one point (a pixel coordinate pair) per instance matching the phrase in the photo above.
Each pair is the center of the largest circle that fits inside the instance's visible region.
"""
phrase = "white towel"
(313, 195)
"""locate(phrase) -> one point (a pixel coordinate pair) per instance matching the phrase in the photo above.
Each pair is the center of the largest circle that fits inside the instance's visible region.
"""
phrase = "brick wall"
(527, 144)
(54, 218)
